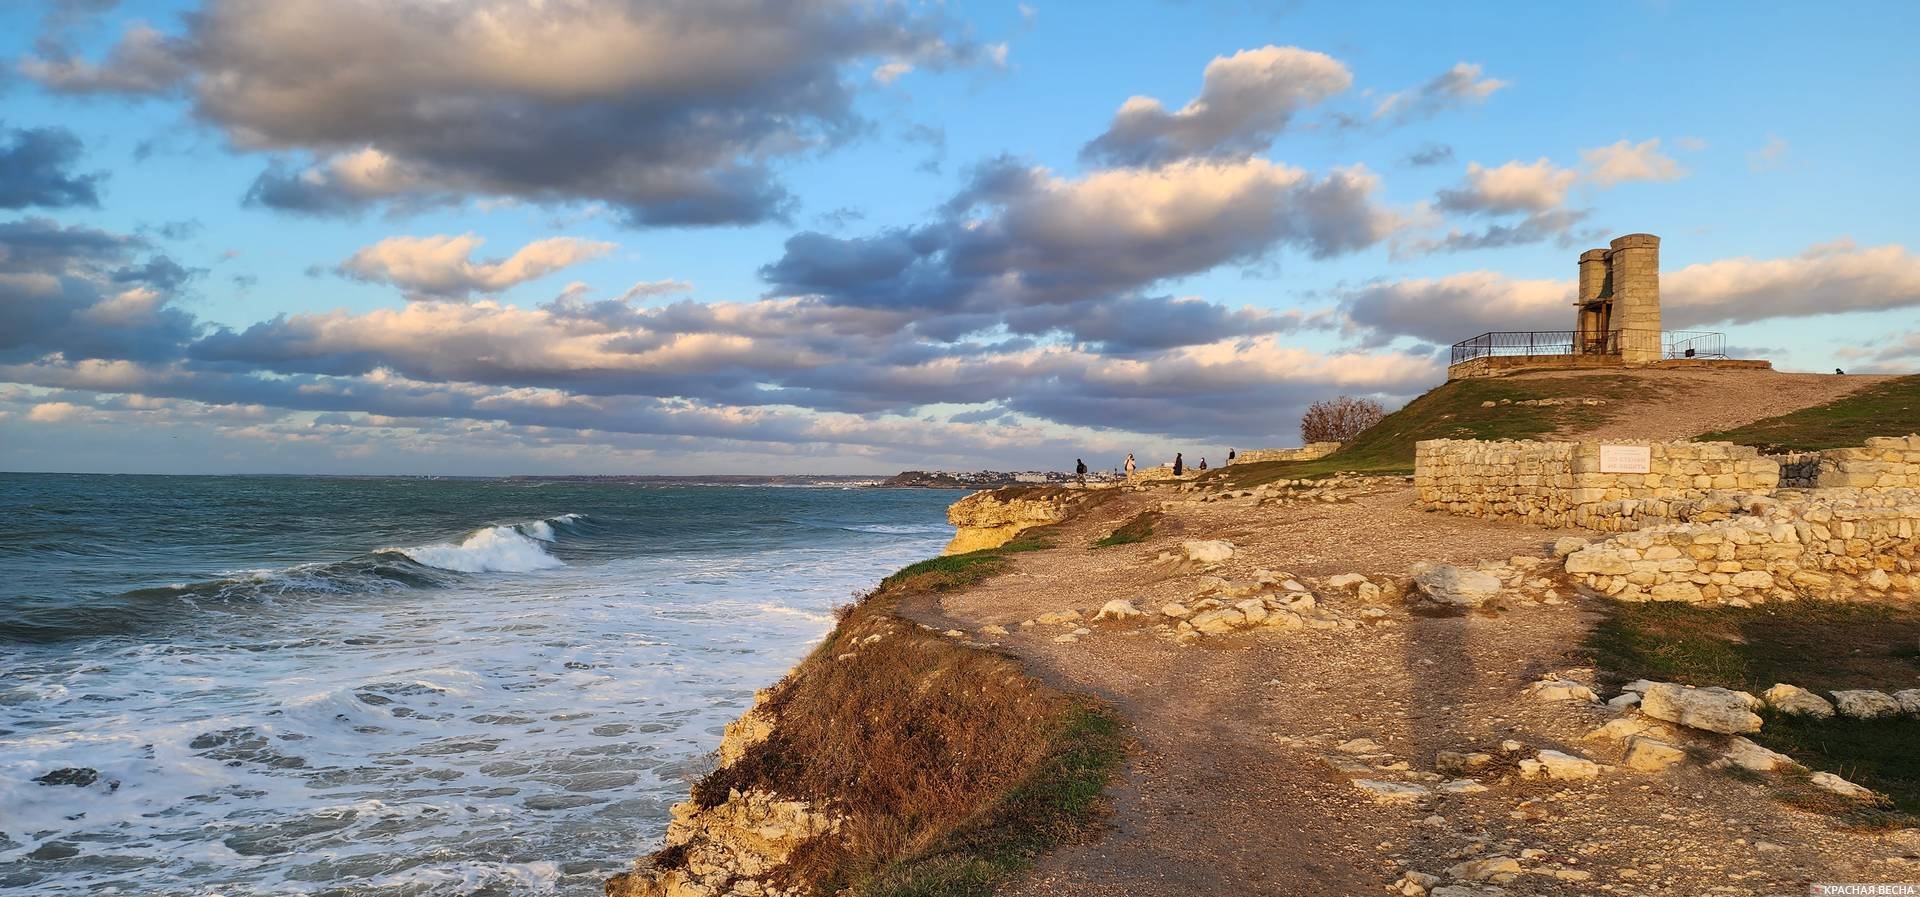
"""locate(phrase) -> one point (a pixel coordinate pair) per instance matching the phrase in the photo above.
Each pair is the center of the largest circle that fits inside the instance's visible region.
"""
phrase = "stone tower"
(1618, 311)
(1633, 268)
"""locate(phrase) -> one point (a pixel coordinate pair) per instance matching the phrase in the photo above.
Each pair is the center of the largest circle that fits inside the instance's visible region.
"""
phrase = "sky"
(482, 237)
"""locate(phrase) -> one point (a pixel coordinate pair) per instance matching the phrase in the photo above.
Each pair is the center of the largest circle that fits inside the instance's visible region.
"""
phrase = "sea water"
(293, 685)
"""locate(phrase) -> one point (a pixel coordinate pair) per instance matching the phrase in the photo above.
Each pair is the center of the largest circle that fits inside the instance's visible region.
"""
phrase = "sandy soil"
(1230, 793)
(1688, 403)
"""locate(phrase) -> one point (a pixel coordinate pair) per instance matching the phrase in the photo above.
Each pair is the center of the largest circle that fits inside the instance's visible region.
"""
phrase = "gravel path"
(1231, 792)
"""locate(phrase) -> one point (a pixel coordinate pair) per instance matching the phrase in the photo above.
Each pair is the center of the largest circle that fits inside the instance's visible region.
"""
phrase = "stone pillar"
(1634, 269)
(1588, 320)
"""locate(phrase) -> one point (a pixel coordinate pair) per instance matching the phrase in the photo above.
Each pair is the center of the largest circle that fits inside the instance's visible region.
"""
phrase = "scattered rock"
(1414, 884)
(1058, 616)
(1861, 703)
(1560, 690)
(1798, 701)
(1207, 551)
(1624, 700)
(993, 629)
(1840, 786)
(1462, 786)
(1176, 610)
(1627, 727)
(77, 776)
(1566, 767)
(1455, 763)
(1455, 586)
(1345, 581)
(1652, 754)
(1118, 609)
(1487, 869)
(1390, 792)
(1909, 699)
(1219, 621)
(1066, 638)
(1747, 755)
(1361, 746)
(1712, 709)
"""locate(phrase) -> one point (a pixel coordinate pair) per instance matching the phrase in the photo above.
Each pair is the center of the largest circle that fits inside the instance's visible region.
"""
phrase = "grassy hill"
(1458, 410)
(1886, 409)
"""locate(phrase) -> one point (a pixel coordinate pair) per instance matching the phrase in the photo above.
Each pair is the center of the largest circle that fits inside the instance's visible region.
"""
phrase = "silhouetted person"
(1179, 464)
(1203, 464)
(1231, 456)
(1840, 372)
(1080, 470)
(1130, 465)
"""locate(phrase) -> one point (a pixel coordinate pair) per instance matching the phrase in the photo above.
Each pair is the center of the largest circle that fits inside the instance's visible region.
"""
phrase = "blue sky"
(609, 236)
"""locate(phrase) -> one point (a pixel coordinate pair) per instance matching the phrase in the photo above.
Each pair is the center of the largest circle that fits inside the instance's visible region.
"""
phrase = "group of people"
(1179, 464)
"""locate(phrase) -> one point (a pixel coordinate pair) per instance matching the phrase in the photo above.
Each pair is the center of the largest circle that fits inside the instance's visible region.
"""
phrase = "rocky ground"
(1676, 404)
(1303, 731)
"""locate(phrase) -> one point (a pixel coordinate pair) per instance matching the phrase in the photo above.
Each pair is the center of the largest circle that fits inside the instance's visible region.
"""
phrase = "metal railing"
(1673, 343)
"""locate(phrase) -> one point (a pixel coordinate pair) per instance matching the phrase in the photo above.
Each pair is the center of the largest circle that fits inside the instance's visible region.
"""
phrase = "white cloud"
(1621, 162)
(1517, 186)
(442, 266)
(1828, 278)
(1245, 100)
(1771, 156)
(1459, 86)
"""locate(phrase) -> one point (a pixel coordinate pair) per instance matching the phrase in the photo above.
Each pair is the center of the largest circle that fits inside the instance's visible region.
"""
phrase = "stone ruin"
(1701, 522)
(1616, 324)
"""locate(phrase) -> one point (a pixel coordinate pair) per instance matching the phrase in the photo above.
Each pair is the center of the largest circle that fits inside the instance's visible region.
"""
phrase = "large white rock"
(1798, 701)
(1652, 754)
(1566, 545)
(1455, 586)
(1909, 699)
(1218, 621)
(1207, 551)
(1489, 868)
(1559, 690)
(1747, 755)
(1567, 767)
(1841, 786)
(1862, 703)
(1118, 609)
(1390, 792)
(1713, 709)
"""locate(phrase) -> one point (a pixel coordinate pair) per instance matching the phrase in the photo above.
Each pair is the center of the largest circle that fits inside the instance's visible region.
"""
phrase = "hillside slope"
(1655, 404)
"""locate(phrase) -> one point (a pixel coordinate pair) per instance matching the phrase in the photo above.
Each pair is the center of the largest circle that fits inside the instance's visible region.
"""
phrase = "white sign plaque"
(1626, 459)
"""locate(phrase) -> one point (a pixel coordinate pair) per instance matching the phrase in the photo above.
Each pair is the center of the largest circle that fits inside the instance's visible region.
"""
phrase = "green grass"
(1452, 411)
(1816, 645)
(1138, 528)
(957, 571)
(1062, 802)
(1812, 644)
(1887, 409)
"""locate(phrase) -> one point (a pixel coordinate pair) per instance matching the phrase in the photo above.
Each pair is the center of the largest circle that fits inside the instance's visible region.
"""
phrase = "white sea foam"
(494, 549)
(515, 735)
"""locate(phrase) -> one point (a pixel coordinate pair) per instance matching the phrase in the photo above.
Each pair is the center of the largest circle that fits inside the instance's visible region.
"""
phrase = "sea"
(393, 687)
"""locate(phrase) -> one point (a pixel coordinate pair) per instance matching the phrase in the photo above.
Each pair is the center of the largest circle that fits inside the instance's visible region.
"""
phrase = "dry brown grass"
(915, 740)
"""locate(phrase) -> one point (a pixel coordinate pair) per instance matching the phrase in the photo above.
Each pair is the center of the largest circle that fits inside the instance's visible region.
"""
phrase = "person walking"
(1080, 470)
(1179, 464)
(1130, 465)
(1230, 456)
(1203, 463)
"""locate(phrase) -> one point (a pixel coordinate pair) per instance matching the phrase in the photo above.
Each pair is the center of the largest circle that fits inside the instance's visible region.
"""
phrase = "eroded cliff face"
(729, 850)
(992, 519)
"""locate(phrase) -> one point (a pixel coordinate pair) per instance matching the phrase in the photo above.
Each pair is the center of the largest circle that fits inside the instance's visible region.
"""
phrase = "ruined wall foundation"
(1308, 452)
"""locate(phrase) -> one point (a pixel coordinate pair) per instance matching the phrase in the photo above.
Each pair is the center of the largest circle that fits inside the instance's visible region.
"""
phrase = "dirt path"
(1233, 793)
(1687, 403)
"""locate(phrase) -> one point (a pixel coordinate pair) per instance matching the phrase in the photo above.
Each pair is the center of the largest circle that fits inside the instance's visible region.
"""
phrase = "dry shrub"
(1339, 419)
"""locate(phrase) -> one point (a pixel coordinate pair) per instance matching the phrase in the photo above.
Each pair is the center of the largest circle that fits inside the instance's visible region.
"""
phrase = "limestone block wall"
(1560, 484)
(1149, 474)
(1306, 452)
(1884, 463)
(1833, 544)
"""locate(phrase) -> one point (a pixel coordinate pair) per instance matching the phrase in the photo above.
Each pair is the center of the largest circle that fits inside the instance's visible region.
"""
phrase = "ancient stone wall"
(1562, 484)
(1884, 463)
(1149, 474)
(1308, 452)
(1832, 544)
